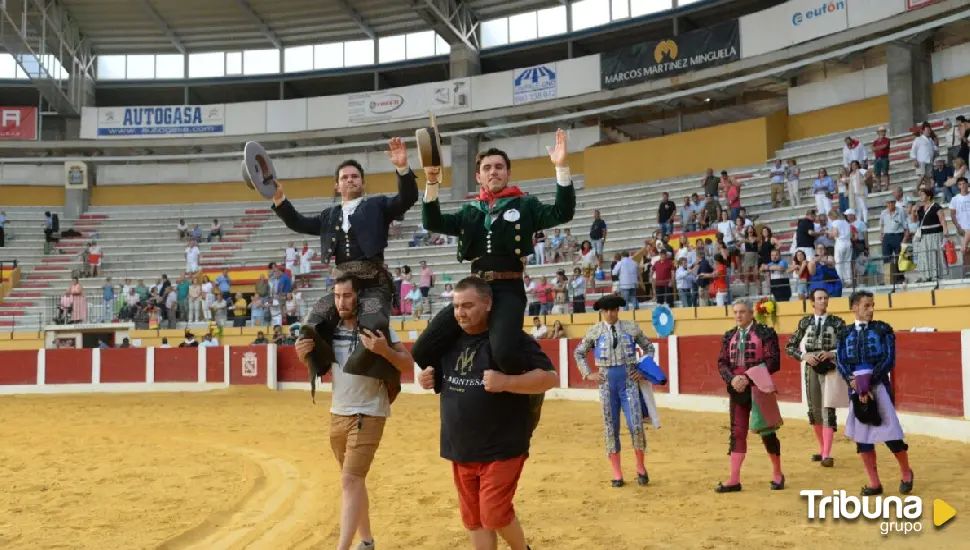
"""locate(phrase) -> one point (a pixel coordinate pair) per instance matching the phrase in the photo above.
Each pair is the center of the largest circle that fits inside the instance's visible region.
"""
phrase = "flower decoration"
(766, 311)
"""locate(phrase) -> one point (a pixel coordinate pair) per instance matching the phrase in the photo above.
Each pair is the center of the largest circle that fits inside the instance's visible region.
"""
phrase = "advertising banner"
(18, 123)
(691, 51)
(161, 121)
(795, 22)
(442, 98)
(862, 12)
(536, 83)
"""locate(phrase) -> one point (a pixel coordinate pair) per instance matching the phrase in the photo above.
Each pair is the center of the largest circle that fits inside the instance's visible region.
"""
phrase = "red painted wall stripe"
(288, 366)
(178, 364)
(68, 366)
(18, 368)
(120, 365)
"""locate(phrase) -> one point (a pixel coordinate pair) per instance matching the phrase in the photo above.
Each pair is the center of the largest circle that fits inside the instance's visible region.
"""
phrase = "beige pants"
(354, 440)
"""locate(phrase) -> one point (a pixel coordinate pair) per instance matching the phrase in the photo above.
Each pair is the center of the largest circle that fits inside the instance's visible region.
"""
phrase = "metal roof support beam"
(451, 19)
(357, 18)
(263, 27)
(163, 26)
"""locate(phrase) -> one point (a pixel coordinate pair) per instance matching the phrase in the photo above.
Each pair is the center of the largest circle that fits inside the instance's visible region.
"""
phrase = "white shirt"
(628, 272)
(530, 292)
(856, 153)
(844, 231)
(349, 208)
(539, 332)
(778, 174)
(192, 254)
(960, 205)
(291, 255)
(354, 394)
(924, 150)
(726, 229)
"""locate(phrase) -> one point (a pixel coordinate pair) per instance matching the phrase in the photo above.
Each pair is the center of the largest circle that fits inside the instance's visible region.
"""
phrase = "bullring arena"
(122, 126)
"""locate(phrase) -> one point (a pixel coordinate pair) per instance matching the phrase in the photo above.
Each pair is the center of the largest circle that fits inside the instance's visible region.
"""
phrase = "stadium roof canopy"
(170, 26)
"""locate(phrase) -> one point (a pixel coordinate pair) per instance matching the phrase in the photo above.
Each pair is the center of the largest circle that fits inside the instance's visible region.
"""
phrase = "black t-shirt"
(666, 211)
(480, 426)
(802, 237)
(596, 231)
(704, 268)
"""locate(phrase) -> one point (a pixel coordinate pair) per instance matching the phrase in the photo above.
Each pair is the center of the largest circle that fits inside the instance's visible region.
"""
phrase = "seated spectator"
(539, 330)
(165, 344)
(278, 336)
(207, 342)
(569, 246)
(220, 310)
(558, 331)
(556, 246)
(421, 237)
(260, 338)
(190, 341)
(183, 230)
(125, 343)
(448, 293)
(215, 230)
(196, 233)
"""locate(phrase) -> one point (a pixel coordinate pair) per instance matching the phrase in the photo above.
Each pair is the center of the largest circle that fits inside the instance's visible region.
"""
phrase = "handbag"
(919, 232)
(868, 412)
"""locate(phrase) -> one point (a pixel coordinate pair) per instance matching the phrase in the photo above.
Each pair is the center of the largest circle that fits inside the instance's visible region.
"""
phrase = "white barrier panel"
(246, 119)
(791, 23)
(327, 113)
(863, 12)
(443, 98)
(25, 174)
(286, 116)
(159, 121)
(374, 162)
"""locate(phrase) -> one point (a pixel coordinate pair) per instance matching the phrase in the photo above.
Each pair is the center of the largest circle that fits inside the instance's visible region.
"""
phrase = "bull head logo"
(665, 48)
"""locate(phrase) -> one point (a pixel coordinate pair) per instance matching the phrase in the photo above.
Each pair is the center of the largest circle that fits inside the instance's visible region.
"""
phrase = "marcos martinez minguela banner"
(690, 51)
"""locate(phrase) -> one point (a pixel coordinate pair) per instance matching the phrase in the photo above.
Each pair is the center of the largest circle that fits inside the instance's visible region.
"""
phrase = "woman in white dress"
(306, 259)
(290, 257)
(858, 192)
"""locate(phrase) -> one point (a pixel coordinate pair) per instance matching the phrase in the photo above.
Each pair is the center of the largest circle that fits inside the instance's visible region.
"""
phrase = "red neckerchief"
(508, 192)
(854, 144)
(305, 248)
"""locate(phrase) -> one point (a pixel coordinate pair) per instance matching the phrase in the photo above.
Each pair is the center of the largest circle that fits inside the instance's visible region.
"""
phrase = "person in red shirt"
(663, 276)
(544, 291)
(880, 148)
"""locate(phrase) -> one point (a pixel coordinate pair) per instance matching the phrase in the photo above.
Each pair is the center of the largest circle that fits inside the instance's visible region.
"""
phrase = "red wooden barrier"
(247, 365)
(120, 365)
(179, 364)
(929, 374)
(18, 368)
(68, 366)
(215, 365)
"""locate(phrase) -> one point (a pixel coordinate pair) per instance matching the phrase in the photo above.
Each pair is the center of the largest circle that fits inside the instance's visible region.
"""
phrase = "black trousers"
(504, 325)
(1, 237)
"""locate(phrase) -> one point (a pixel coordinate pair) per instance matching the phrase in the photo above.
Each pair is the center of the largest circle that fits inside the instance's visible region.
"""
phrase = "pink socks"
(615, 465)
(641, 468)
(821, 440)
(737, 459)
(775, 468)
(869, 461)
(828, 434)
(903, 458)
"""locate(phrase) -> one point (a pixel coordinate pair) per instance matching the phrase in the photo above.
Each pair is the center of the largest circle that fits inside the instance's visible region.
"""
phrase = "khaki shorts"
(354, 440)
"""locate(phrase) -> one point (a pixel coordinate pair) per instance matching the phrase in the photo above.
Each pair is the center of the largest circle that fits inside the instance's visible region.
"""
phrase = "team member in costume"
(355, 234)
(359, 409)
(495, 233)
(819, 334)
(747, 347)
(615, 344)
(865, 357)
(487, 417)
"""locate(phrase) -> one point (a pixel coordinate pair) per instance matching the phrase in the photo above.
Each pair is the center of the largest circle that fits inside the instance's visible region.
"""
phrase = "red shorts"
(486, 490)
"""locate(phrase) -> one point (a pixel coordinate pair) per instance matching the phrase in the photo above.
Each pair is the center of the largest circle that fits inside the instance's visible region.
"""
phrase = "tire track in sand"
(275, 513)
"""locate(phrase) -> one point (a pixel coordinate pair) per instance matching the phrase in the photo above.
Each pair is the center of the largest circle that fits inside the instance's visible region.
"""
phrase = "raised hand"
(558, 154)
(397, 153)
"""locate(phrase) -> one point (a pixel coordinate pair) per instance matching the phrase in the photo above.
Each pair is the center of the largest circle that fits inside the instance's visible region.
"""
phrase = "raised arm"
(407, 194)
(308, 225)
(564, 209)
(433, 220)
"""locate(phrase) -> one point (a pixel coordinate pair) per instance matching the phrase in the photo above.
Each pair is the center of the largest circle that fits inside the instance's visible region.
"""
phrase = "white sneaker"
(364, 545)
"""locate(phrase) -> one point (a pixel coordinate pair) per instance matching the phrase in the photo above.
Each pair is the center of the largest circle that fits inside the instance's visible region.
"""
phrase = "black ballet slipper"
(906, 487)
(828, 462)
(816, 458)
(721, 488)
(778, 486)
(643, 479)
(617, 483)
(871, 491)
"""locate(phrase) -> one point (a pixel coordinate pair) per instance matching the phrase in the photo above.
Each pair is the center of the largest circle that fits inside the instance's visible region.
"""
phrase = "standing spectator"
(719, 280)
(793, 174)
(710, 212)
(805, 234)
(406, 286)
(841, 232)
(597, 236)
(224, 283)
(750, 248)
(3, 220)
(171, 307)
(960, 148)
(95, 256)
(284, 283)
(778, 173)
(860, 243)
(220, 310)
(960, 205)
(710, 184)
(627, 273)
(192, 255)
(880, 150)
(556, 246)
(257, 311)
(930, 263)
(665, 214)
(539, 330)
(195, 302)
(306, 264)
(823, 189)
(686, 279)
(733, 194)
(182, 229)
(425, 282)
(79, 304)
(923, 152)
(183, 296)
(893, 227)
(853, 150)
(290, 256)
(215, 231)
(531, 296)
(858, 192)
(108, 297)
(578, 287)
(800, 272)
(262, 287)
(663, 279)
(539, 246)
(560, 290)
(726, 228)
(545, 292)
(239, 308)
(291, 310)
(688, 216)
(131, 305)
(587, 260)
(50, 232)
(777, 271)
(704, 272)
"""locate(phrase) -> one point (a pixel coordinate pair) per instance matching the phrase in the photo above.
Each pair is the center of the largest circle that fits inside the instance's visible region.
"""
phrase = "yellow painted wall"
(10, 282)
(31, 195)
(951, 94)
(735, 144)
(776, 126)
(839, 118)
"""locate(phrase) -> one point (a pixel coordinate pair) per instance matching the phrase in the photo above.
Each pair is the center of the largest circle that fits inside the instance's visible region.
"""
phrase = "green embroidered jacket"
(509, 229)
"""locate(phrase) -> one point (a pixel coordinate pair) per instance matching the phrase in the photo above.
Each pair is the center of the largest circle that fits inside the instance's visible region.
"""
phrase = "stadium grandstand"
(726, 149)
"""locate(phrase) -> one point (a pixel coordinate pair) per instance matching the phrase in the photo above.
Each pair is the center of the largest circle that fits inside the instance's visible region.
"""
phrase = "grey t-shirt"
(353, 394)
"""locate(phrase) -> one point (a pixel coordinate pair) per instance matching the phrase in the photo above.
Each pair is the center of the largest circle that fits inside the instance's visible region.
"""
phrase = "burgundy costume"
(759, 347)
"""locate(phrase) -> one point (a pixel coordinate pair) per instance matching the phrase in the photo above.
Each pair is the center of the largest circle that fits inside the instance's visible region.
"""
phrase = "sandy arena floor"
(247, 468)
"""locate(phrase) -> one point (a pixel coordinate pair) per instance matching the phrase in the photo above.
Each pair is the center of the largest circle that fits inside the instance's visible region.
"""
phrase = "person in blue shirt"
(224, 282)
(777, 273)
(285, 282)
(108, 300)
